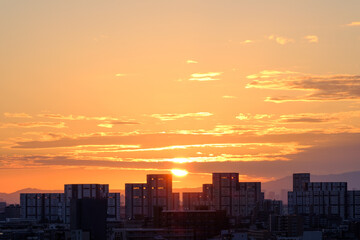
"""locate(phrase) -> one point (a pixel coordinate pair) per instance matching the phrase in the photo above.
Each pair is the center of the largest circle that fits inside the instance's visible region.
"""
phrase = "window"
(136, 188)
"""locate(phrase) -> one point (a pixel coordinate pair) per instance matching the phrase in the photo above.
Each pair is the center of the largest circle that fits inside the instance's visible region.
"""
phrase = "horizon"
(112, 91)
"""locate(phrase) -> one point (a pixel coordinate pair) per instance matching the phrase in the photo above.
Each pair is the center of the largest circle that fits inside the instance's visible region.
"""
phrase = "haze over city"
(108, 93)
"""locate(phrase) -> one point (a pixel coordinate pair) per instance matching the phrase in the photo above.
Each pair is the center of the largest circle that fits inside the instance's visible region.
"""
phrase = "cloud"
(308, 118)
(353, 24)
(120, 75)
(175, 116)
(33, 125)
(205, 76)
(75, 117)
(191, 61)
(247, 42)
(320, 87)
(248, 116)
(281, 40)
(312, 38)
(17, 115)
(113, 123)
(229, 97)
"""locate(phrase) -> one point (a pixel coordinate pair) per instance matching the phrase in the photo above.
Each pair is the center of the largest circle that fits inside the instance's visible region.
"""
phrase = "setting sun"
(179, 172)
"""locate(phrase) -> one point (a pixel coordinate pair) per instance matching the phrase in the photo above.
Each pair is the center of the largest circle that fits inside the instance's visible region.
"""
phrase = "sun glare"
(179, 172)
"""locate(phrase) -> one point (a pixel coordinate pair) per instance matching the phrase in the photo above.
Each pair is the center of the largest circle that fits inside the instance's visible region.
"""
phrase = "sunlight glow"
(179, 172)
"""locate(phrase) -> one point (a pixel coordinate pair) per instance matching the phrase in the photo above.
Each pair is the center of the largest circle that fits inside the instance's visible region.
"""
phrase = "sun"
(179, 172)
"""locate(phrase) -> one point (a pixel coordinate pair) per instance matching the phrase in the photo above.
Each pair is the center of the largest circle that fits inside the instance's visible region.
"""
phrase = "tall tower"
(225, 193)
(159, 192)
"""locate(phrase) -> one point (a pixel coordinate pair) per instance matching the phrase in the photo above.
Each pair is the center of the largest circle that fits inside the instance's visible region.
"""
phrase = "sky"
(109, 91)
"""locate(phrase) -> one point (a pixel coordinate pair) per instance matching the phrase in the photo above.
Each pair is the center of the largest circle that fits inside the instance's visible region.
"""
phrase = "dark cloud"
(322, 88)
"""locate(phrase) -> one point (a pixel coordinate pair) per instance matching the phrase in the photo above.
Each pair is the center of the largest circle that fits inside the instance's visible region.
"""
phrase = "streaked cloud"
(33, 125)
(353, 24)
(308, 118)
(191, 61)
(210, 76)
(320, 87)
(113, 123)
(175, 116)
(312, 38)
(229, 97)
(280, 40)
(17, 115)
(75, 117)
(247, 116)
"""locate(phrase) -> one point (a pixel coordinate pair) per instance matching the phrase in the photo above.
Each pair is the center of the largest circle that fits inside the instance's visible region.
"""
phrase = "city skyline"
(110, 92)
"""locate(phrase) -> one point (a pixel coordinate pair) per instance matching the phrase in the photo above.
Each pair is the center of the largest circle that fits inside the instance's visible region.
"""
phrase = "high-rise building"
(208, 192)
(159, 192)
(353, 204)
(55, 207)
(225, 193)
(80, 191)
(191, 200)
(250, 197)
(300, 180)
(113, 207)
(88, 215)
(176, 201)
(136, 200)
(318, 198)
(44, 207)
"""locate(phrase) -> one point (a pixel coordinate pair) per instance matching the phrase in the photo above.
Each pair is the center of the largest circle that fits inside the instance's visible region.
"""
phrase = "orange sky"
(110, 91)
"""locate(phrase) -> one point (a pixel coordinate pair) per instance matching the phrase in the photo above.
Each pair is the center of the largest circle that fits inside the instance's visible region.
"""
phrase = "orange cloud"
(321, 88)
(229, 97)
(175, 116)
(17, 115)
(191, 61)
(353, 24)
(312, 38)
(247, 42)
(205, 76)
(33, 125)
(281, 40)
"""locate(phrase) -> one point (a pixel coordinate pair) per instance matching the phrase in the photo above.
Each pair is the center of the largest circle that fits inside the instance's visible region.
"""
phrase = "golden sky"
(109, 91)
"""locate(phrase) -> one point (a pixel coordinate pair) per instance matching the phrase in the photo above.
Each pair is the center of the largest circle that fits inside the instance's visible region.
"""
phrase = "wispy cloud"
(210, 76)
(308, 118)
(77, 117)
(321, 87)
(312, 38)
(175, 116)
(353, 24)
(191, 61)
(113, 123)
(120, 75)
(248, 116)
(17, 115)
(280, 40)
(229, 97)
(247, 42)
(33, 125)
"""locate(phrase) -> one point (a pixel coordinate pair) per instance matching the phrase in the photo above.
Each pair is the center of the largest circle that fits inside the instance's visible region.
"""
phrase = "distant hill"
(285, 184)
